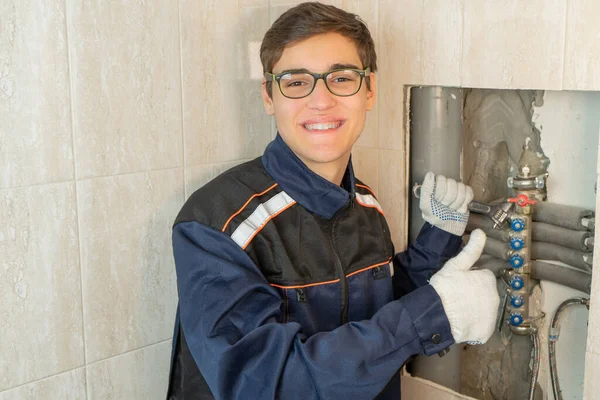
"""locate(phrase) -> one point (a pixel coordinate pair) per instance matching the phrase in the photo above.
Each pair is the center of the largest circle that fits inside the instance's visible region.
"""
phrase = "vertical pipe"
(435, 145)
(435, 139)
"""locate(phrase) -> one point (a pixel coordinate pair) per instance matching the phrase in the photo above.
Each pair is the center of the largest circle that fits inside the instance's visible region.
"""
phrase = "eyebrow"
(331, 68)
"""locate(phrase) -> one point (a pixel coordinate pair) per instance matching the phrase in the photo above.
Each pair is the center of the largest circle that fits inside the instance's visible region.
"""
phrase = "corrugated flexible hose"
(553, 338)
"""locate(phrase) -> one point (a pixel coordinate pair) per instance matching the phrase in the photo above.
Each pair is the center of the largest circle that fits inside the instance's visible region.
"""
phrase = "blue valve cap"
(517, 243)
(516, 301)
(517, 283)
(516, 319)
(516, 261)
(517, 224)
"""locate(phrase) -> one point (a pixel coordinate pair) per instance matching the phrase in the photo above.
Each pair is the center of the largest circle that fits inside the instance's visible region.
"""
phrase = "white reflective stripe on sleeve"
(263, 213)
(368, 200)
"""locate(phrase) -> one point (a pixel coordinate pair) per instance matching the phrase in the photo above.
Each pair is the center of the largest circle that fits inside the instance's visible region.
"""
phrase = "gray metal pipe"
(497, 248)
(543, 271)
(562, 215)
(575, 258)
(491, 263)
(570, 277)
(435, 139)
(478, 221)
(542, 251)
(542, 232)
(435, 145)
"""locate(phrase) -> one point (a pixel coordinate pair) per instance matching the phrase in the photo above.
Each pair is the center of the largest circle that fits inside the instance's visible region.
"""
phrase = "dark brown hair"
(309, 19)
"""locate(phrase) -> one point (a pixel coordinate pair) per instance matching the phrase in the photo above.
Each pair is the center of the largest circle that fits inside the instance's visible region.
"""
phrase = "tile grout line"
(121, 174)
(45, 378)
(84, 367)
(128, 352)
(183, 147)
(77, 213)
(564, 54)
(462, 45)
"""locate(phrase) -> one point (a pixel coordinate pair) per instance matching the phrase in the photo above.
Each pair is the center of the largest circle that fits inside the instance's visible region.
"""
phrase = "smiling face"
(322, 127)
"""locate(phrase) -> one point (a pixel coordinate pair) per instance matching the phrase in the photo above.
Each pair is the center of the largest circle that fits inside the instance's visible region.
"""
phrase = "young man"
(283, 262)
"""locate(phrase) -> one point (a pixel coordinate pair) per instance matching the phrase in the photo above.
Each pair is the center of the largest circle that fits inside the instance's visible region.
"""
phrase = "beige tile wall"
(513, 44)
(125, 86)
(35, 107)
(112, 113)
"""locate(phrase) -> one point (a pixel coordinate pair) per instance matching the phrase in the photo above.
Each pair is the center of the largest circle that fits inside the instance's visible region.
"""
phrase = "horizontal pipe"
(542, 232)
(542, 251)
(491, 263)
(562, 215)
(544, 271)
(478, 221)
(575, 258)
(496, 248)
(570, 277)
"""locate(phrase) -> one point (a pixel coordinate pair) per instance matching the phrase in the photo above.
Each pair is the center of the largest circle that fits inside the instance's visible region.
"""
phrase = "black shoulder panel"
(363, 188)
(214, 203)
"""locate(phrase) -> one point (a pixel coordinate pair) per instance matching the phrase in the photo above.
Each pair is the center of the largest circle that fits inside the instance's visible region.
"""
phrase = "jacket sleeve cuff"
(438, 241)
(429, 319)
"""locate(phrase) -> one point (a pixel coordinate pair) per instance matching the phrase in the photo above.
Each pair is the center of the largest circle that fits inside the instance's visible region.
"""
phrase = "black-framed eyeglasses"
(298, 84)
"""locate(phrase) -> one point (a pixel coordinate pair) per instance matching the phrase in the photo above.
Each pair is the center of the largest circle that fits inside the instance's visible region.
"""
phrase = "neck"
(332, 171)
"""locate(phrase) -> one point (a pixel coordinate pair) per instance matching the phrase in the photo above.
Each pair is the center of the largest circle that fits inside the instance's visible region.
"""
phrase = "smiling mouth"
(323, 126)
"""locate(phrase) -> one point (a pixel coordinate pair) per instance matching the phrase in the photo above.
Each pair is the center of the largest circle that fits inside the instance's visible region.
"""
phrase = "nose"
(321, 98)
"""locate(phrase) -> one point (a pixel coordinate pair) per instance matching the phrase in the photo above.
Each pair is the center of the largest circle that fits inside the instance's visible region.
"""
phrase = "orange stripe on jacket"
(370, 206)
(244, 206)
(366, 187)
(370, 267)
(265, 223)
(335, 280)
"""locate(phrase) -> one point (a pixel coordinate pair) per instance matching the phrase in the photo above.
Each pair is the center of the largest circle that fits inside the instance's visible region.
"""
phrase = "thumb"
(469, 254)
(427, 188)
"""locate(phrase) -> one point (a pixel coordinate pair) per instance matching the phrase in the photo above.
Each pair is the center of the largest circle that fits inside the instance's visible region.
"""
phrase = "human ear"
(371, 94)
(267, 100)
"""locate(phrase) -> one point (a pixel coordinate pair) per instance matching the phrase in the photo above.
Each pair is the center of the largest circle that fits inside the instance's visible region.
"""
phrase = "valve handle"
(522, 200)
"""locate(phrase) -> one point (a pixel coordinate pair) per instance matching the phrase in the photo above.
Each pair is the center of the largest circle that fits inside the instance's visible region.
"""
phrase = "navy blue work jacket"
(286, 291)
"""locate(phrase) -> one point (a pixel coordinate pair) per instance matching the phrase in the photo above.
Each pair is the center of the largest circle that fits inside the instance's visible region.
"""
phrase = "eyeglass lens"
(342, 83)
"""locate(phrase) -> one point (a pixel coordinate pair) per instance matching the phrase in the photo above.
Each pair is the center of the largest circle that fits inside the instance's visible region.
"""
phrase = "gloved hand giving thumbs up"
(469, 297)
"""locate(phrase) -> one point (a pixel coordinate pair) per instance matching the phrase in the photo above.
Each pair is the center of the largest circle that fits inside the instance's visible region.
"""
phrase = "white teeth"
(322, 126)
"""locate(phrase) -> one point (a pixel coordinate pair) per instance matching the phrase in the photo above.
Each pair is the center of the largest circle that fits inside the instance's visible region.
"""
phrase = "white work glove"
(443, 203)
(469, 297)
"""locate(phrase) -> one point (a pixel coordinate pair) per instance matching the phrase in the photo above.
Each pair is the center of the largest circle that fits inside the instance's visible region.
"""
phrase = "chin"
(324, 157)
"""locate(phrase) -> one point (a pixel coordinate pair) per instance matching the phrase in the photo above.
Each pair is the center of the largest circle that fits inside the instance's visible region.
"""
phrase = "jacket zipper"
(340, 268)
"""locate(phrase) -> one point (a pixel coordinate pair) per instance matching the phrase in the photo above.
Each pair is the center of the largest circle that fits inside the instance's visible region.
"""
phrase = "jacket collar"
(310, 190)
